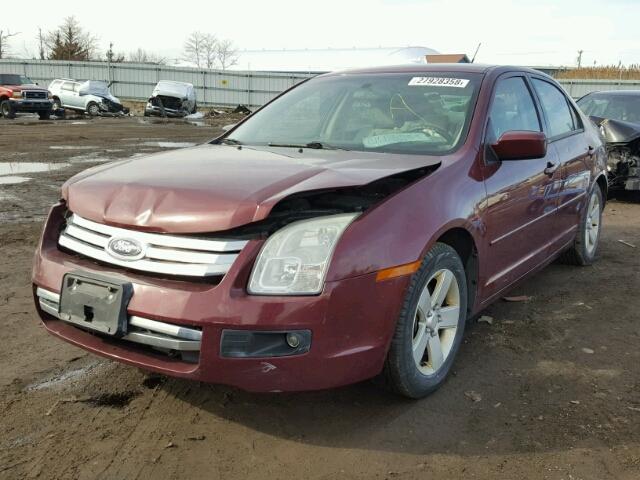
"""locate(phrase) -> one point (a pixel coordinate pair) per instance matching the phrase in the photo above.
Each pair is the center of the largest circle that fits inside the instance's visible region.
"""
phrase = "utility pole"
(580, 58)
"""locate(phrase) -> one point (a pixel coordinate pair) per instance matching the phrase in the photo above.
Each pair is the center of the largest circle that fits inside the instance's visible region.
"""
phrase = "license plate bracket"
(95, 303)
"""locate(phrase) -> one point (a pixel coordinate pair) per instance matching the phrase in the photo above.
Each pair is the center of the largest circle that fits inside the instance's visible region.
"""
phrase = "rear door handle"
(551, 168)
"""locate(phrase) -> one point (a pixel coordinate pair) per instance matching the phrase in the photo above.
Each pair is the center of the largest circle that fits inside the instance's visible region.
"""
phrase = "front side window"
(512, 108)
(421, 113)
(556, 108)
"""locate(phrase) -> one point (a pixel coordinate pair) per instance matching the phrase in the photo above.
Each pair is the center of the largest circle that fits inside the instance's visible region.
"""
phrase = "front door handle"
(551, 168)
(591, 151)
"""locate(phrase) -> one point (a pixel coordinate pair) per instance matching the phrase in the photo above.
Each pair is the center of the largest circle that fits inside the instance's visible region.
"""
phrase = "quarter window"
(512, 108)
(556, 108)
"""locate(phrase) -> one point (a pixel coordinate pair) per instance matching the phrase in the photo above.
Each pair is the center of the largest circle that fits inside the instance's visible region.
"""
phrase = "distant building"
(328, 59)
(448, 58)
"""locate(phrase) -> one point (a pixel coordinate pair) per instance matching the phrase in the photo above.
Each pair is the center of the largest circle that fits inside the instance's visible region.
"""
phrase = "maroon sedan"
(346, 230)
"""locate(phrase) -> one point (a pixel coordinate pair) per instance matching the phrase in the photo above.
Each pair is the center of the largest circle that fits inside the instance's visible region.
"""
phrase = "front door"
(522, 195)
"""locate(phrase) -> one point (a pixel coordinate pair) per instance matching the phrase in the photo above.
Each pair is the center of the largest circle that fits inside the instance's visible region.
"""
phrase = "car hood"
(19, 88)
(218, 187)
(617, 131)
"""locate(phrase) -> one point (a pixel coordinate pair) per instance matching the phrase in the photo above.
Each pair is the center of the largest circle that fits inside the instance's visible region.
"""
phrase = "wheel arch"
(462, 241)
(601, 181)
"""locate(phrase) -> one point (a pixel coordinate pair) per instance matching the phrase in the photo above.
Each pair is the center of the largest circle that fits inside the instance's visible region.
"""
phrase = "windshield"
(11, 79)
(426, 113)
(616, 107)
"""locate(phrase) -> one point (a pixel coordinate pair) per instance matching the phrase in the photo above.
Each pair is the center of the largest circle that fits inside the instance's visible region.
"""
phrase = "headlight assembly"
(294, 260)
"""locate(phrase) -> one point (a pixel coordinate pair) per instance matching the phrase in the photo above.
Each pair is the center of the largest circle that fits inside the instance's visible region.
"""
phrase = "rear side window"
(67, 86)
(512, 108)
(556, 108)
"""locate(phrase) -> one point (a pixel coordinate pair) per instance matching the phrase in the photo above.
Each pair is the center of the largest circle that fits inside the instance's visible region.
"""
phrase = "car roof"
(616, 92)
(434, 67)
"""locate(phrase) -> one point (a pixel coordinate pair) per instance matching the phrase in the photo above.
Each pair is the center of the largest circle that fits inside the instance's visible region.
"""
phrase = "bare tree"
(209, 50)
(70, 42)
(227, 54)
(193, 48)
(4, 42)
(142, 56)
(42, 44)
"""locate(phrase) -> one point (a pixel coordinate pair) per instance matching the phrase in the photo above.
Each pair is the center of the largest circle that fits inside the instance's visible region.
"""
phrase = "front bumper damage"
(177, 326)
(165, 106)
(623, 149)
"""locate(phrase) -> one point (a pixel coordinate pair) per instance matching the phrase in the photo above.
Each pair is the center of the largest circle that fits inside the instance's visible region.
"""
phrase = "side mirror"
(520, 145)
(226, 128)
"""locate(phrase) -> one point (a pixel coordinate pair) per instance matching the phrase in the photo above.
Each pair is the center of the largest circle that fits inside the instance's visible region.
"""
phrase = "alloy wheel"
(592, 230)
(436, 322)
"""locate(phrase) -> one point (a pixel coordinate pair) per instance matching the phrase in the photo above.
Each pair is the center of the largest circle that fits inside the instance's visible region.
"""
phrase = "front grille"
(160, 253)
(35, 95)
(171, 103)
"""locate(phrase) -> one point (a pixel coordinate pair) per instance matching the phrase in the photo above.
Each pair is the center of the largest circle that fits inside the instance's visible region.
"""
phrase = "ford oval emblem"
(125, 248)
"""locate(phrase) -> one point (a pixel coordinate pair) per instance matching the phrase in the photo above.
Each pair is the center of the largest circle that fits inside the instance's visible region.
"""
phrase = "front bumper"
(351, 322)
(31, 106)
(153, 110)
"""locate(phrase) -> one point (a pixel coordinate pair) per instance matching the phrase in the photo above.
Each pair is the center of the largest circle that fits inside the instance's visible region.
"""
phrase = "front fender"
(404, 226)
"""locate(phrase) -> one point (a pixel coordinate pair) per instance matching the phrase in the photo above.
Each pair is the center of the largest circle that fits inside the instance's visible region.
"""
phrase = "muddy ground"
(556, 379)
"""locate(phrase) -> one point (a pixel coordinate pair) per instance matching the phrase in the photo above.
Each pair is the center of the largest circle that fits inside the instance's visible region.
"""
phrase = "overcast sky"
(540, 32)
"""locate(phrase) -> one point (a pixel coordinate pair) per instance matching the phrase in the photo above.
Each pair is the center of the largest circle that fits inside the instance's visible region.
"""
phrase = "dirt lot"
(556, 379)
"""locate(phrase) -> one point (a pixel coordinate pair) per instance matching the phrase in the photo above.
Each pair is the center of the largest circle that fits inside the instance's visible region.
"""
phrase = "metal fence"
(578, 88)
(135, 81)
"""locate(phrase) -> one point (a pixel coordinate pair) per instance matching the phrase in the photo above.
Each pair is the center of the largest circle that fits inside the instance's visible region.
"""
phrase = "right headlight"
(294, 260)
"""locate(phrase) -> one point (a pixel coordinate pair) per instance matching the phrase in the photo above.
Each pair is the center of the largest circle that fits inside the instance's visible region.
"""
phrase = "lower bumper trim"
(161, 335)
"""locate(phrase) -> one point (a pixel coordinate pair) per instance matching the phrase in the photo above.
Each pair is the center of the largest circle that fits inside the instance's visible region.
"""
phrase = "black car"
(617, 113)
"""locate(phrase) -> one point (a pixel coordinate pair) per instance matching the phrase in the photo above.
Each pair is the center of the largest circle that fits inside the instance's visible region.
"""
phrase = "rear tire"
(430, 326)
(585, 246)
(6, 110)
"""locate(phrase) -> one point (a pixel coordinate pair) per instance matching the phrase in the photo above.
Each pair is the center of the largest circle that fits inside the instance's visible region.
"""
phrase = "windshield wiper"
(229, 141)
(314, 145)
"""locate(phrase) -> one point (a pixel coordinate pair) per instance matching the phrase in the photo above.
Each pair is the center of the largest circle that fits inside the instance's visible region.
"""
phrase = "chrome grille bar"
(141, 330)
(165, 254)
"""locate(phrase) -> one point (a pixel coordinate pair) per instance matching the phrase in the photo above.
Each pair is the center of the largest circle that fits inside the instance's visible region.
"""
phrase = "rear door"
(521, 195)
(567, 136)
(67, 96)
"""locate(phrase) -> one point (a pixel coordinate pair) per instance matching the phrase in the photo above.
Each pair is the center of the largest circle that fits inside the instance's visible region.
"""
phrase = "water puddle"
(16, 168)
(13, 180)
(64, 377)
(170, 144)
(73, 147)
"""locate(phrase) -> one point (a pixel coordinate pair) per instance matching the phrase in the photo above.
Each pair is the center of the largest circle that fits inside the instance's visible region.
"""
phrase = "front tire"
(585, 246)
(93, 109)
(6, 110)
(44, 115)
(430, 326)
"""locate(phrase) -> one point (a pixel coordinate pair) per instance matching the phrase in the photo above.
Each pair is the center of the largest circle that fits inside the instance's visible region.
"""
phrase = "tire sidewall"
(586, 256)
(90, 106)
(414, 383)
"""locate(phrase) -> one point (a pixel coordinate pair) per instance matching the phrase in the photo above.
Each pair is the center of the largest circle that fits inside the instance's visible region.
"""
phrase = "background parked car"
(617, 113)
(20, 94)
(171, 99)
(92, 97)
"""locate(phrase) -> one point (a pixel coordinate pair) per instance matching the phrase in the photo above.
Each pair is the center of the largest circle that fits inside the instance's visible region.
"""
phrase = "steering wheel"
(436, 128)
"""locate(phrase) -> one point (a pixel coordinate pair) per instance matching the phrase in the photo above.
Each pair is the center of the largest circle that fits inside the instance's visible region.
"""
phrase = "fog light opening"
(293, 340)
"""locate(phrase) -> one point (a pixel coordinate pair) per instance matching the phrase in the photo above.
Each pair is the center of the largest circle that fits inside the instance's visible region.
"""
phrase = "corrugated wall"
(136, 81)
(213, 87)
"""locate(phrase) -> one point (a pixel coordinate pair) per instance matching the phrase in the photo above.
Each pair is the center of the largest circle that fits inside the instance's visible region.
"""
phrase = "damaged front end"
(99, 92)
(623, 149)
(171, 99)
